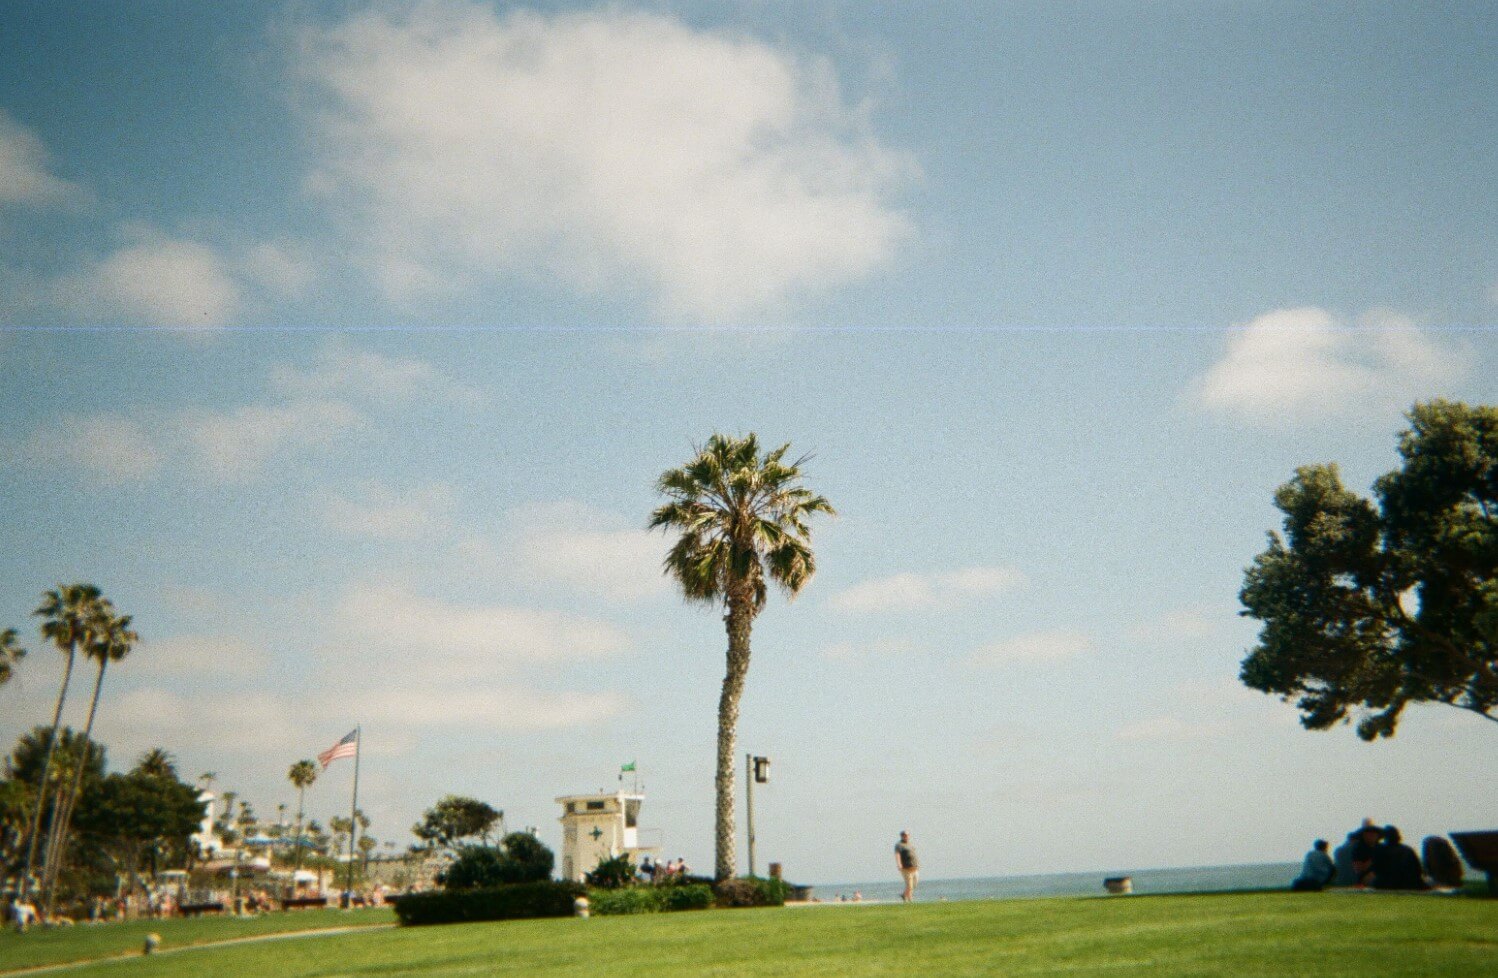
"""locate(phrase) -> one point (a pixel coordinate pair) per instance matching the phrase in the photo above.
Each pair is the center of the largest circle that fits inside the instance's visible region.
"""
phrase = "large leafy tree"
(134, 817)
(455, 820)
(1371, 605)
(65, 614)
(301, 775)
(109, 638)
(741, 515)
(10, 654)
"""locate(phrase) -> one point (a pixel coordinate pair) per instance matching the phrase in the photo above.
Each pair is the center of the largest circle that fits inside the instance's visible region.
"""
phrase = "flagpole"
(353, 815)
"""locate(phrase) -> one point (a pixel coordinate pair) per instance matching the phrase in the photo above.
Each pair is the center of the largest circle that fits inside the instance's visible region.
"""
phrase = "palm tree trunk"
(738, 621)
(41, 794)
(58, 852)
(300, 794)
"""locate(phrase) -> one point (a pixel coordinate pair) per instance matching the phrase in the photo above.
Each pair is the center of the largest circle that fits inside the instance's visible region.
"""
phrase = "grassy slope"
(86, 942)
(1240, 935)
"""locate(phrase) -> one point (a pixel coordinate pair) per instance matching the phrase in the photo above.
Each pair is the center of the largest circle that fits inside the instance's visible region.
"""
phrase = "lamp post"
(755, 769)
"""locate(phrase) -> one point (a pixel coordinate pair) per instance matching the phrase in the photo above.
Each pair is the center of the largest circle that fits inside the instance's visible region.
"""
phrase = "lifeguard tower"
(599, 827)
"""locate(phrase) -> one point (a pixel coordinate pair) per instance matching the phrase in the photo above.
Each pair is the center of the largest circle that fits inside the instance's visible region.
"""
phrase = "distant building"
(205, 840)
(599, 827)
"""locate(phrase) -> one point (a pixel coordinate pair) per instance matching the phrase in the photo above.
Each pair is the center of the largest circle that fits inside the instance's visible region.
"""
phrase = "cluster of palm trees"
(76, 619)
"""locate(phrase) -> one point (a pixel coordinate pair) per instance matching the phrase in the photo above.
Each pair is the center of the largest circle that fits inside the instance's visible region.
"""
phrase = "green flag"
(627, 767)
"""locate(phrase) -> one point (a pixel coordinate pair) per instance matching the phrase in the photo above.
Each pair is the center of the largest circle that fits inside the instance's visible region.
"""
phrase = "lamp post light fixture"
(758, 770)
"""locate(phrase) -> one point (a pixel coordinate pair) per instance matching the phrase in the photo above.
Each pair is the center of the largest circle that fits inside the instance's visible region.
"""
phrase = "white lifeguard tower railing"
(599, 827)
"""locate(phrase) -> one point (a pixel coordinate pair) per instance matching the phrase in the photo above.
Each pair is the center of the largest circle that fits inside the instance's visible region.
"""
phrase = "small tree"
(455, 820)
(1368, 607)
(613, 873)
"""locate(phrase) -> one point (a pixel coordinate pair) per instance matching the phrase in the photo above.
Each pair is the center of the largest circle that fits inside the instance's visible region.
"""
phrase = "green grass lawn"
(1239, 935)
(86, 942)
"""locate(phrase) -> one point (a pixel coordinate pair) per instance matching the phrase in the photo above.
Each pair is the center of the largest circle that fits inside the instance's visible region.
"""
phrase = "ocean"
(1196, 879)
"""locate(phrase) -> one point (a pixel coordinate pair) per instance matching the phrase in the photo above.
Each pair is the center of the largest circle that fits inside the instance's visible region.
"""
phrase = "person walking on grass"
(908, 865)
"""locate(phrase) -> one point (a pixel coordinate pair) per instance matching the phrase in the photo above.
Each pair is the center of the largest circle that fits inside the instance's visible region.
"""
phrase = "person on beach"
(908, 865)
(1318, 870)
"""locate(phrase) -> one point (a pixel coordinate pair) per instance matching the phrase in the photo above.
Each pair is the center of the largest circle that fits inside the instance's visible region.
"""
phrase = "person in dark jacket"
(1395, 865)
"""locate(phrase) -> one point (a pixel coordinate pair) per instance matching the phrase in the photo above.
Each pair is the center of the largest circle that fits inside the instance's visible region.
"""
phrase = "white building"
(599, 827)
(205, 839)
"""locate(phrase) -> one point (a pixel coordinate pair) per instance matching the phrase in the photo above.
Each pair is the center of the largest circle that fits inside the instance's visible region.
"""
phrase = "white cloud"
(1171, 729)
(383, 514)
(230, 445)
(610, 149)
(198, 656)
(155, 281)
(222, 446)
(580, 548)
(346, 370)
(108, 447)
(876, 648)
(1047, 646)
(505, 708)
(456, 637)
(1294, 363)
(282, 269)
(907, 591)
(1181, 625)
(24, 176)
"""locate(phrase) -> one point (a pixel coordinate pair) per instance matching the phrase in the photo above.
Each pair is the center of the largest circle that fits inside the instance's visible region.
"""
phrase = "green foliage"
(519, 858)
(650, 899)
(742, 516)
(455, 819)
(515, 901)
(30, 754)
(751, 891)
(1368, 606)
(611, 874)
(10, 654)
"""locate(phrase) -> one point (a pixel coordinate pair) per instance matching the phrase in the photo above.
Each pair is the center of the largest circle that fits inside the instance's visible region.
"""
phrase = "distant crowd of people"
(655, 871)
(1376, 857)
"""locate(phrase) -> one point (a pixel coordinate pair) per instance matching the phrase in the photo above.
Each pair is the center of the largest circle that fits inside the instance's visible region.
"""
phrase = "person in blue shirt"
(1317, 871)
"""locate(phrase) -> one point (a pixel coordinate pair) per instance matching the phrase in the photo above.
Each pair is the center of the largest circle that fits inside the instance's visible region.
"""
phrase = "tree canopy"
(1371, 605)
(455, 820)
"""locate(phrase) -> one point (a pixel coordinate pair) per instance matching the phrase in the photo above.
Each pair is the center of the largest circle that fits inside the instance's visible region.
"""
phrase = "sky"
(343, 344)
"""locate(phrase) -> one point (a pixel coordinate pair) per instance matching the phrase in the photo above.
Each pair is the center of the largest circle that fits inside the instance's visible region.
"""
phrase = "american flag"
(347, 747)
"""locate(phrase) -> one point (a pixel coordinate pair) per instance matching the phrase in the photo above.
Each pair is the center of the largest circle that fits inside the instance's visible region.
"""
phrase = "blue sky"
(344, 344)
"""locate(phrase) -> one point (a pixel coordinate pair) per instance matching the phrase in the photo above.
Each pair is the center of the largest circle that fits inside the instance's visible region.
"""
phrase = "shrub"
(512, 902)
(611, 874)
(751, 891)
(650, 899)
(520, 858)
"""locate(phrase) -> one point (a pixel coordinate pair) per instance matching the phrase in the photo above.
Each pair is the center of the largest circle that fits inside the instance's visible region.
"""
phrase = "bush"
(520, 858)
(512, 902)
(650, 899)
(611, 874)
(751, 891)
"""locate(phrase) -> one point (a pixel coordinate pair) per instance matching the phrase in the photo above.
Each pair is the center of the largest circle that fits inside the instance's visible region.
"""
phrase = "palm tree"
(742, 519)
(110, 639)
(63, 613)
(10, 654)
(302, 774)
(157, 762)
(206, 779)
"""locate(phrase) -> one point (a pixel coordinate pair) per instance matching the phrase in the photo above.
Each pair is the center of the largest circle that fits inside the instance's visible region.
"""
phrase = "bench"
(301, 903)
(194, 909)
(1480, 849)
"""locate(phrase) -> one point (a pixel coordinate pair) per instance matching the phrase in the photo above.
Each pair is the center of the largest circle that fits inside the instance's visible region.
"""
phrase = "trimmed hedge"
(650, 899)
(511, 902)
(751, 891)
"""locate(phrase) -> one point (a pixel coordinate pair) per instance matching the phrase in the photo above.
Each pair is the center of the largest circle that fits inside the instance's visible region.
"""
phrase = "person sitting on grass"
(1317, 871)
(1395, 865)
(1369, 838)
